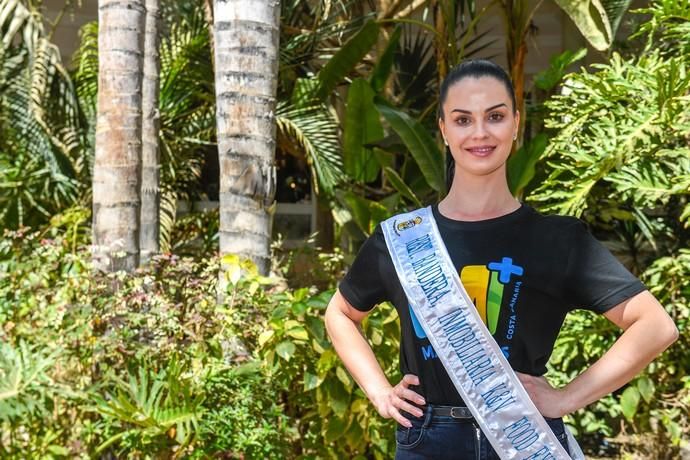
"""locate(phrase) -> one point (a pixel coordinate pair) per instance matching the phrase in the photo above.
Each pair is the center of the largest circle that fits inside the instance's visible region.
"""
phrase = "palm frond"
(315, 133)
(25, 385)
(150, 404)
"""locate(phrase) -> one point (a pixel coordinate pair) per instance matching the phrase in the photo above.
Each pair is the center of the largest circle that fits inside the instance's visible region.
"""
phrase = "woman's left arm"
(648, 331)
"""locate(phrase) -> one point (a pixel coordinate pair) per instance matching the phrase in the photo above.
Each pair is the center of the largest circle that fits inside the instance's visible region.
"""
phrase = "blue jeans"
(446, 438)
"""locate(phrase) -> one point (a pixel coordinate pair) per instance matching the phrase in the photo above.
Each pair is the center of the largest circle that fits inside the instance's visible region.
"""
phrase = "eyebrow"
(487, 110)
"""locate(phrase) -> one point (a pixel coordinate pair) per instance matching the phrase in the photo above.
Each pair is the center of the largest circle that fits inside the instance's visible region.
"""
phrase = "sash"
(470, 355)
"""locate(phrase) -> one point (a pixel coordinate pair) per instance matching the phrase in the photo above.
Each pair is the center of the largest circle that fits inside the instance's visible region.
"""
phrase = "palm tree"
(117, 162)
(246, 36)
(150, 157)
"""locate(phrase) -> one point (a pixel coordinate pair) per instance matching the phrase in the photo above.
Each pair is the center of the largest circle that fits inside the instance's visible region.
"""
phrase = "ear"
(517, 121)
(442, 128)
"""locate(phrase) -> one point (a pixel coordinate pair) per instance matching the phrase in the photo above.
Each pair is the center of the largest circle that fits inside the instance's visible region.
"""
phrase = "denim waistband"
(440, 413)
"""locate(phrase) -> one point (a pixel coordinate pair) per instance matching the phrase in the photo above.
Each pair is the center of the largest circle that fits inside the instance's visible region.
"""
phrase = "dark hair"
(471, 68)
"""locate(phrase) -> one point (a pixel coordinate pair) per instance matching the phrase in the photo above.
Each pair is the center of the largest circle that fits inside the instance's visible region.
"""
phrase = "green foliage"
(362, 126)
(84, 369)
(346, 58)
(625, 129)
(619, 158)
(25, 386)
(151, 370)
(549, 78)
(152, 411)
(41, 129)
(336, 419)
(311, 131)
(242, 423)
(421, 145)
(596, 19)
(521, 165)
(382, 71)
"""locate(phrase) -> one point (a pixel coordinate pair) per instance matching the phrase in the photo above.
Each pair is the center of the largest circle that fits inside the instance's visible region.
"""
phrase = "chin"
(486, 169)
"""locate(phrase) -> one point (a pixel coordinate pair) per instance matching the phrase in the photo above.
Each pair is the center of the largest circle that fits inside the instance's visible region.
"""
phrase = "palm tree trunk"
(518, 16)
(117, 163)
(208, 15)
(441, 41)
(246, 57)
(150, 177)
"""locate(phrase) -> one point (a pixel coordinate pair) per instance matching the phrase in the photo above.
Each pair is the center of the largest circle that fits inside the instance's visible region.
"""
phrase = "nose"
(479, 131)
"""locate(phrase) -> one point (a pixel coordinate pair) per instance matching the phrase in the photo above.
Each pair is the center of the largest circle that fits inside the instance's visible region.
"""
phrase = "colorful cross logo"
(505, 268)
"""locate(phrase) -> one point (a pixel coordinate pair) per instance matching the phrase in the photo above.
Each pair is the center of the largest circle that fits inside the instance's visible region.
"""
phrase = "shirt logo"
(485, 285)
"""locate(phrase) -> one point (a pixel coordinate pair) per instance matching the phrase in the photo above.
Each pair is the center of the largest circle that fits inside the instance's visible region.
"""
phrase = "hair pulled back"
(470, 68)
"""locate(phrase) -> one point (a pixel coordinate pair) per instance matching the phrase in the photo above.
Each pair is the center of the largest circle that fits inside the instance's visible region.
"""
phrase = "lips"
(481, 150)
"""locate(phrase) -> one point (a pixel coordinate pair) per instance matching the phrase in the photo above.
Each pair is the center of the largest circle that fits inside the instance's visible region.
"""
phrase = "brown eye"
(462, 120)
(496, 116)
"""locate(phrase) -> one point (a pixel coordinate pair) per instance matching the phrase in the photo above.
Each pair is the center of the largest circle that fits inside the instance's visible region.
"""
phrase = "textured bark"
(518, 15)
(324, 225)
(441, 42)
(150, 157)
(117, 163)
(246, 73)
(208, 15)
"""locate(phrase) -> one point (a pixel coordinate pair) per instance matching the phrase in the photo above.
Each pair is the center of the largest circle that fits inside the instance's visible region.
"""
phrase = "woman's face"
(478, 123)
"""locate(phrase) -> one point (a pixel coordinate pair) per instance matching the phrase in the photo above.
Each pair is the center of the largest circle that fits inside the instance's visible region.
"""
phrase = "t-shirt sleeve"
(364, 285)
(595, 279)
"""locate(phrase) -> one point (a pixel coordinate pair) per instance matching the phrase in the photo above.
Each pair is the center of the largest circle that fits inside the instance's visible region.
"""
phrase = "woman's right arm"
(343, 323)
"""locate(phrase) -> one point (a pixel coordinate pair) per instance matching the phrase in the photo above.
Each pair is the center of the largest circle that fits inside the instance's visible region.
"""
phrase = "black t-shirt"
(525, 271)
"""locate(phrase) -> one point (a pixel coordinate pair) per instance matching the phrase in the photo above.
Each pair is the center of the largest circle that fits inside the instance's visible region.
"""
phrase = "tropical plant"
(153, 412)
(335, 416)
(389, 172)
(597, 21)
(40, 119)
(619, 159)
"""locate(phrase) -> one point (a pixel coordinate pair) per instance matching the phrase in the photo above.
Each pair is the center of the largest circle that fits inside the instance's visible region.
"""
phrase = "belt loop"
(427, 416)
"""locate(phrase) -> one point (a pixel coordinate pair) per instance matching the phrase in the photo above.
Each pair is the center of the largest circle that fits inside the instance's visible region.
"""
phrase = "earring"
(515, 136)
(445, 141)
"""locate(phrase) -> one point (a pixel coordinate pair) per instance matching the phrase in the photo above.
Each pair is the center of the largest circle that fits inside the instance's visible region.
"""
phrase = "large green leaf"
(419, 142)
(347, 58)
(362, 126)
(591, 19)
(615, 9)
(383, 67)
(629, 401)
(365, 213)
(645, 386)
(400, 185)
(558, 67)
(522, 163)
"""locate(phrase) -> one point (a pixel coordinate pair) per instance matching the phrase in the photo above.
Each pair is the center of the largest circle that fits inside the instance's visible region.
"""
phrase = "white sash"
(475, 364)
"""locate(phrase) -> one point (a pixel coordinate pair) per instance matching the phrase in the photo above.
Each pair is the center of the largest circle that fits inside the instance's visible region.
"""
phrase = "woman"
(524, 271)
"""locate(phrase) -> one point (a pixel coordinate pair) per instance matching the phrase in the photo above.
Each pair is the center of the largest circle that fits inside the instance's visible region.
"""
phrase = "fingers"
(401, 399)
(401, 404)
(398, 417)
(405, 393)
(396, 405)
(409, 379)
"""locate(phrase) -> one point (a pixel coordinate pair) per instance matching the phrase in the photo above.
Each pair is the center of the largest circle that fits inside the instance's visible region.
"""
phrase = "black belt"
(462, 413)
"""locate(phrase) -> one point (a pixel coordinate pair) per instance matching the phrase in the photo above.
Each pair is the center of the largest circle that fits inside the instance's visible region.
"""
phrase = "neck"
(478, 198)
